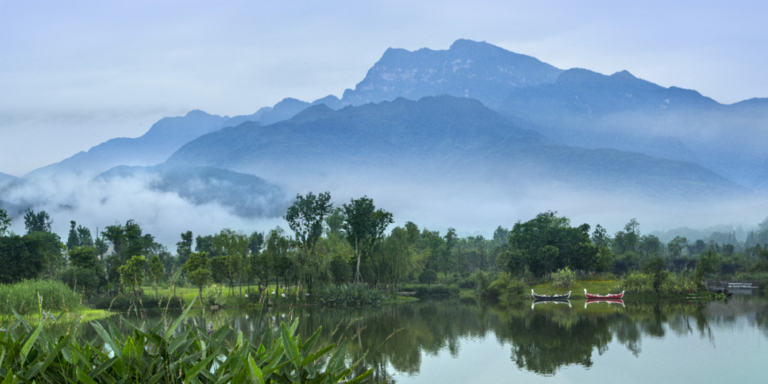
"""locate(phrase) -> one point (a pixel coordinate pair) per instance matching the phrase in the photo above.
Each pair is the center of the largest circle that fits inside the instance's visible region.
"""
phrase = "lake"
(464, 341)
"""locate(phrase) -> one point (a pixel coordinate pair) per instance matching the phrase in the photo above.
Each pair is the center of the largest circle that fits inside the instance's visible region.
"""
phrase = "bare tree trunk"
(358, 277)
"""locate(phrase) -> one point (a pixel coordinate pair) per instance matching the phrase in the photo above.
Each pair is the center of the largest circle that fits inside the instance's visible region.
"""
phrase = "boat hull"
(603, 297)
(553, 297)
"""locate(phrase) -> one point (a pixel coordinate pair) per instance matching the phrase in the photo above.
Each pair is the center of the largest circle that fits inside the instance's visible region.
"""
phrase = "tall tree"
(184, 247)
(236, 248)
(364, 226)
(84, 236)
(197, 271)
(305, 217)
(37, 222)
(156, 270)
(72, 240)
(132, 272)
(5, 221)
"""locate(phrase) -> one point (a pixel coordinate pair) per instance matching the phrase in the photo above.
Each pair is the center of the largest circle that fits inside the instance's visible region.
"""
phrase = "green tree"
(37, 222)
(335, 223)
(278, 248)
(72, 240)
(306, 217)
(340, 270)
(657, 268)
(197, 272)
(21, 258)
(5, 221)
(236, 247)
(428, 277)
(364, 226)
(156, 270)
(256, 242)
(708, 262)
(83, 258)
(600, 237)
(184, 247)
(84, 236)
(132, 272)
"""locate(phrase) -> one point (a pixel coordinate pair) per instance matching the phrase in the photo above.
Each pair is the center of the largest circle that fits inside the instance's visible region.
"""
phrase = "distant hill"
(246, 195)
(166, 136)
(587, 109)
(471, 69)
(440, 138)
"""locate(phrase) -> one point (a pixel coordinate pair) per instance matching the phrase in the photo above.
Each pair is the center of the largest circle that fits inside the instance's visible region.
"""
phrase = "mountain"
(168, 135)
(587, 109)
(441, 138)
(471, 69)
(246, 195)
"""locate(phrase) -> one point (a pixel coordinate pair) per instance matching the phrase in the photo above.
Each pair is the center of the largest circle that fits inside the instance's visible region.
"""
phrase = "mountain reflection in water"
(543, 340)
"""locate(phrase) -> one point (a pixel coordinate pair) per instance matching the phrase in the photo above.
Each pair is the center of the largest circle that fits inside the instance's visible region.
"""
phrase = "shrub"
(23, 298)
(85, 281)
(437, 290)
(564, 278)
(428, 277)
(215, 294)
(350, 295)
(469, 282)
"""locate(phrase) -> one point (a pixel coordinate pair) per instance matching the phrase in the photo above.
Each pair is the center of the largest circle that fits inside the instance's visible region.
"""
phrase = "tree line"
(351, 243)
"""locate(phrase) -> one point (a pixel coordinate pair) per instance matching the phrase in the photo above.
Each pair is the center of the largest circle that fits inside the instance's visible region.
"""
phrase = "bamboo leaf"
(254, 372)
(83, 378)
(107, 339)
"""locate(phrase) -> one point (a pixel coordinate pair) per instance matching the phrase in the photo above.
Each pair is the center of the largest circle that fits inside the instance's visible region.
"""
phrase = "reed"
(23, 297)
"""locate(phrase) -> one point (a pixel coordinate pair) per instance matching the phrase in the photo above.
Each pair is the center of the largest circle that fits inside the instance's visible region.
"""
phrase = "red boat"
(613, 296)
(609, 301)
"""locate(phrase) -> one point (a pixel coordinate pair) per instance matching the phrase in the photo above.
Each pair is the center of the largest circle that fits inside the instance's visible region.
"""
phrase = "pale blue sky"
(76, 73)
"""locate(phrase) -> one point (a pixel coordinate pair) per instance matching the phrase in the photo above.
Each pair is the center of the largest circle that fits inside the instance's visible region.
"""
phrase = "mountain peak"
(468, 69)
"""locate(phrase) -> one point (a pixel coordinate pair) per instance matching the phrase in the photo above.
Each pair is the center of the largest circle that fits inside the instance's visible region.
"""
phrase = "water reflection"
(541, 338)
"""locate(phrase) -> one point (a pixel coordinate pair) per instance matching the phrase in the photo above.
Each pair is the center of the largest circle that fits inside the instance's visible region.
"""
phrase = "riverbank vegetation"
(333, 249)
(169, 354)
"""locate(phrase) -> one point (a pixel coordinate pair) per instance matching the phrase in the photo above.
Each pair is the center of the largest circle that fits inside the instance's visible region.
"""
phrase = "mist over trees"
(327, 245)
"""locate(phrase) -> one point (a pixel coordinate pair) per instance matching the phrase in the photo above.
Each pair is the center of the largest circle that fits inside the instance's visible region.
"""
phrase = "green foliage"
(132, 272)
(21, 257)
(215, 294)
(5, 221)
(428, 277)
(642, 283)
(169, 354)
(708, 262)
(656, 268)
(364, 226)
(350, 295)
(84, 281)
(438, 290)
(564, 278)
(37, 222)
(503, 286)
(22, 297)
(131, 302)
(341, 271)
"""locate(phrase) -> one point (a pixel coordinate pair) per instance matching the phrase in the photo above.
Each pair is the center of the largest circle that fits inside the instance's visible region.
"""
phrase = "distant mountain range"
(413, 117)
(444, 138)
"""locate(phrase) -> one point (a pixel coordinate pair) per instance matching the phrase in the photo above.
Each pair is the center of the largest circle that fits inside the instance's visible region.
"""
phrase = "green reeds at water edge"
(166, 353)
(23, 297)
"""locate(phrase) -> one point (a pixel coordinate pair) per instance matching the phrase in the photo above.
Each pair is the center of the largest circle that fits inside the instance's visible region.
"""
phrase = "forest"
(328, 246)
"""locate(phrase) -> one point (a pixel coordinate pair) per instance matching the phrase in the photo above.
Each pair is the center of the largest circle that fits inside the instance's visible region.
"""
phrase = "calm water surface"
(462, 341)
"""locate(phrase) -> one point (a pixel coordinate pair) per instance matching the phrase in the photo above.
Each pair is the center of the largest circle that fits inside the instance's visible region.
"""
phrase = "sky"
(74, 74)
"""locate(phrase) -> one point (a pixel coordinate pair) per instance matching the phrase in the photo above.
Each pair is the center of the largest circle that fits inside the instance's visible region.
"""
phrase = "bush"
(468, 282)
(23, 298)
(428, 277)
(350, 295)
(563, 278)
(85, 281)
(215, 294)
(438, 290)
(504, 285)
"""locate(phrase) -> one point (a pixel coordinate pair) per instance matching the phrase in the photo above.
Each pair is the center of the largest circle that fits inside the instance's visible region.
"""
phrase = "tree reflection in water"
(541, 340)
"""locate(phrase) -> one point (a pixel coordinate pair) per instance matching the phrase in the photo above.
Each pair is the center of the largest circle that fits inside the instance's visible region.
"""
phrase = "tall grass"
(22, 297)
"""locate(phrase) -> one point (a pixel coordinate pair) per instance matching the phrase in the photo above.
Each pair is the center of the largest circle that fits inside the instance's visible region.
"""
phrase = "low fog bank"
(97, 203)
(471, 208)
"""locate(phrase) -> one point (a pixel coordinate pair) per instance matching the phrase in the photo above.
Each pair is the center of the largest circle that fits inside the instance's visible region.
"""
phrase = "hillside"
(437, 138)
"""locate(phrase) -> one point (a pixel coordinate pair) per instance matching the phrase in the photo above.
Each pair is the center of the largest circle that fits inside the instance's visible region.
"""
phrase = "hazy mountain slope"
(588, 109)
(246, 195)
(471, 69)
(438, 138)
